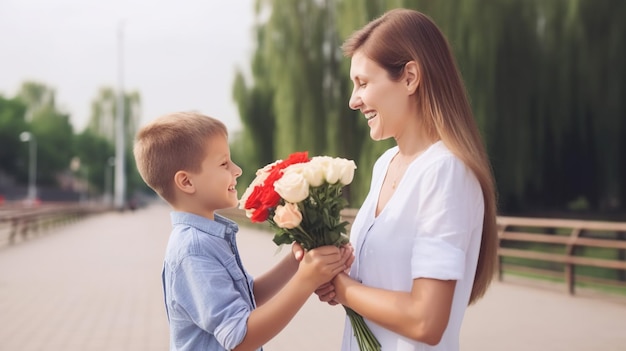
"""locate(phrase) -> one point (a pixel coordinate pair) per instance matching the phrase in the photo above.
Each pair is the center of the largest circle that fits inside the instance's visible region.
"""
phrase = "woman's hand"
(326, 293)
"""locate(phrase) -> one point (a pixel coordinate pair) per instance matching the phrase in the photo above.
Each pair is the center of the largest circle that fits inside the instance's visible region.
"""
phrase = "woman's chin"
(376, 135)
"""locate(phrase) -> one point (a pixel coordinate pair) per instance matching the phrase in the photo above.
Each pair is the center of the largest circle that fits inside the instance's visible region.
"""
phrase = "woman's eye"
(362, 85)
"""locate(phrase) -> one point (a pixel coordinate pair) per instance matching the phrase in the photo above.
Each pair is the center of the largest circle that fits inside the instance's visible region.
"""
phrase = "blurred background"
(547, 84)
(546, 80)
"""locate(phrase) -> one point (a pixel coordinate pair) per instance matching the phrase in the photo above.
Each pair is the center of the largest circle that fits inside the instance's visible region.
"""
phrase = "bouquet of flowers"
(301, 198)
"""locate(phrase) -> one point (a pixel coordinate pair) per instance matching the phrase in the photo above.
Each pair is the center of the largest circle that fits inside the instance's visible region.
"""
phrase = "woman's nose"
(355, 101)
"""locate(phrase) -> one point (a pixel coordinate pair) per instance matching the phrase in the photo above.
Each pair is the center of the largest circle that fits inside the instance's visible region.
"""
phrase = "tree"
(102, 123)
(12, 123)
(54, 134)
(50, 127)
(36, 96)
(94, 152)
(254, 146)
(545, 81)
(104, 114)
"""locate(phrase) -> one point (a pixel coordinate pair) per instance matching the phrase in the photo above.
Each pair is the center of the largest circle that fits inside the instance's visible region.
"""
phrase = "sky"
(179, 55)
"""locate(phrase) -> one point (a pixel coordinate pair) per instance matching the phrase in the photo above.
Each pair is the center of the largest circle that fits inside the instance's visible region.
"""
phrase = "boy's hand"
(347, 253)
(320, 265)
(326, 291)
(298, 251)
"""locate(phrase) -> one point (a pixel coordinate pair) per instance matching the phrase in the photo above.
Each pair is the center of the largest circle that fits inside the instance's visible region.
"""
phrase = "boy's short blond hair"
(172, 143)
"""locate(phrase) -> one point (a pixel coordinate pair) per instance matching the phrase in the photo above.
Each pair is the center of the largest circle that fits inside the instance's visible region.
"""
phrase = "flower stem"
(364, 336)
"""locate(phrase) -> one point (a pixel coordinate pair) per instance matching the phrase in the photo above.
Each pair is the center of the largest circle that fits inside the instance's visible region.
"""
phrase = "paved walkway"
(95, 285)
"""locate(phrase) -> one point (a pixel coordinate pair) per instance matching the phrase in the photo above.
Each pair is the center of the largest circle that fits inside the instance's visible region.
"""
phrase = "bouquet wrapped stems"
(366, 340)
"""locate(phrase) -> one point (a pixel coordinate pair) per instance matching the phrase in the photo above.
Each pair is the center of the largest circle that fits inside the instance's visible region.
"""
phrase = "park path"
(95, 285)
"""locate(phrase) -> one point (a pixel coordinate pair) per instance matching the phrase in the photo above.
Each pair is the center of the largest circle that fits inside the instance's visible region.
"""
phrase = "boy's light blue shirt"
(208, 293)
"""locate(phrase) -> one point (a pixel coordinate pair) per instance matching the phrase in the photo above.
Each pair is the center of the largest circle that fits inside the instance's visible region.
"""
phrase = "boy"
(211, 301)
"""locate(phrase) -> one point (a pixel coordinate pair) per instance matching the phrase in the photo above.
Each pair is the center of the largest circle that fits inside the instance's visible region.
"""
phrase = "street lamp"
(32, 164)
(120, 177)
(108, 178)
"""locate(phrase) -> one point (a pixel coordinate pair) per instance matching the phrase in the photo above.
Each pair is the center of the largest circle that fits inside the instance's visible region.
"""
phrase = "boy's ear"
(412, 76)
(183, 181)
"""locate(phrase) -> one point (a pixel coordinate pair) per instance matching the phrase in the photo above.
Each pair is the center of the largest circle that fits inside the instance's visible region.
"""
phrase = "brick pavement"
(95, 285)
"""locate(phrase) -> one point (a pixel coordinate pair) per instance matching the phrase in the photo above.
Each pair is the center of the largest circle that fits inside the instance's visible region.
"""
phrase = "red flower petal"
(270, 198)
(296, 157)
(254, 200)
(260, 215)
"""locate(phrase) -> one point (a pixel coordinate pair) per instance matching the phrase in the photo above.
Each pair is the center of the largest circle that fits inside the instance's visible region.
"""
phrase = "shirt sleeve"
(451, 206)
(207, 292)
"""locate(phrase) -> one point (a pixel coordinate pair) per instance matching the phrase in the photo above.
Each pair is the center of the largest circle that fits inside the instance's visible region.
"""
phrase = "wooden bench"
(569, 235)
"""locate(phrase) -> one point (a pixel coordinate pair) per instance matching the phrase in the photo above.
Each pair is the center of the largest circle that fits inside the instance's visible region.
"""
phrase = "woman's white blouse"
(431, 227)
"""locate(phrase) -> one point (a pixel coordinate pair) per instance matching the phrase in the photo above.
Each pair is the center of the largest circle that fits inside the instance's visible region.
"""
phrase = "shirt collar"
(221, 226)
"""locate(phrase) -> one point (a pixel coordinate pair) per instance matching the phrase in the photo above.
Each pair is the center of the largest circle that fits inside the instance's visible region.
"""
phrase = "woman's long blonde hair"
(403, 35)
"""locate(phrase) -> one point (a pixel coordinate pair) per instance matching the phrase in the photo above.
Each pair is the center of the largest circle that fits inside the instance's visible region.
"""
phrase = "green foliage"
(36, 96)
(54, 134)
(104, 114)
(321, 219)
(51, 129)
(102, 127)
(545, 79)
(12, 123)
(94, 152)
(34, 110)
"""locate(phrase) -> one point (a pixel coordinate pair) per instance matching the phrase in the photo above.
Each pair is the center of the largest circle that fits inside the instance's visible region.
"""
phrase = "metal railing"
(19, 223)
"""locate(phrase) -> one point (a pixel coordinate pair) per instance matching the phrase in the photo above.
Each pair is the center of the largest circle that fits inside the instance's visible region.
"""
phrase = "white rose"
(346, 170)
(330, 169)
(311, 171)
(287, 216)
(292, 186)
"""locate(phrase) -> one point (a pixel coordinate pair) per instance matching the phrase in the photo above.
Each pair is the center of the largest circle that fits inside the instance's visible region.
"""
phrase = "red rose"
(270, 198)
(260, 215)
(296, 157)
(254, 200)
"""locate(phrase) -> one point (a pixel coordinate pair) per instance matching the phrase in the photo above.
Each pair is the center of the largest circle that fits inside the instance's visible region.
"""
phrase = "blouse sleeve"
(451, 206)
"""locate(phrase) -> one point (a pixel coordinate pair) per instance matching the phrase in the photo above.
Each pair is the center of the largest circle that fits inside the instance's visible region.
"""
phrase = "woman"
(425, 237)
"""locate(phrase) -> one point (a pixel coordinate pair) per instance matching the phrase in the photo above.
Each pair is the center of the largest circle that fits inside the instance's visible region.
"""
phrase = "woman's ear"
(184, 183)
(411, 76)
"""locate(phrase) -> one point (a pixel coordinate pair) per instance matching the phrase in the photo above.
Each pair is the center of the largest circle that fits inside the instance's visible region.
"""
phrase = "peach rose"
(287, 216)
